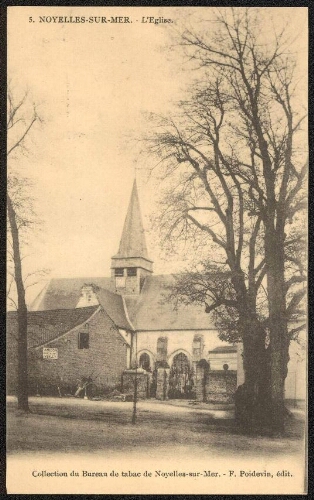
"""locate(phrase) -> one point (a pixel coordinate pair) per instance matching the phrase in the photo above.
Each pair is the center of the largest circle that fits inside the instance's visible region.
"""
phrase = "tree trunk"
(22, 384)
(279, 343)
(253, 398)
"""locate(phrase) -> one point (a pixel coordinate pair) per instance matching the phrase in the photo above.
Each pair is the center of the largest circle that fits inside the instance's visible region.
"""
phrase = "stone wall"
(104, 360)
(220, 386)
(162, 388)
(128, 383)
(215, 386)
(201, 374)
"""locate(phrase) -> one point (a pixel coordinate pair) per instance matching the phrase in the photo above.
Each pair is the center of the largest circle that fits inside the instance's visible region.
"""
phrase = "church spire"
(133, 242)
(131, 264)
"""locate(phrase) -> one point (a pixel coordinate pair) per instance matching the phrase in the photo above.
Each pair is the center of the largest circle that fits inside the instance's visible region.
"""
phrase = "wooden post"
(135, 386)
(134, 397)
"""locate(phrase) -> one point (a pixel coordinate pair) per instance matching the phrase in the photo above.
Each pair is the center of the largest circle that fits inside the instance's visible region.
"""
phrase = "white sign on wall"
(50, 353)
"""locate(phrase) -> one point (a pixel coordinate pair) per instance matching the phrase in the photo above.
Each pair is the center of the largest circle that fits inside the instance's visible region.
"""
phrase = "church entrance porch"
(181, 383)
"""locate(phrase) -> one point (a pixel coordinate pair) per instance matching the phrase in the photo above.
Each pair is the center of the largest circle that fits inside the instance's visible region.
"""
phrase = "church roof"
(44, 326)
(113, 305)
(154, 311)
(133, 242)
(65, 292)
(151, 310)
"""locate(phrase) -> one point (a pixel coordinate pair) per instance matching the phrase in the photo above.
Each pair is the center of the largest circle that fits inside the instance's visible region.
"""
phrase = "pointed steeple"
(133, 242)
(131, 264)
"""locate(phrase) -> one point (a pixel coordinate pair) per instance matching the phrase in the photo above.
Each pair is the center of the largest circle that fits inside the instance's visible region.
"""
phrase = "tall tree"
(20, 123)
(240, 167)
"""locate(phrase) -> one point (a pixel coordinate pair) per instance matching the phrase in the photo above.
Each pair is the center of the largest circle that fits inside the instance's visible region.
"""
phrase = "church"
(112, 329)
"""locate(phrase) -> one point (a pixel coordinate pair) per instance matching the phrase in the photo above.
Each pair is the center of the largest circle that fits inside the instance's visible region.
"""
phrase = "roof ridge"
(40, 294)
(81, 278)
(56, 310)
(121, 322)
(126, 313)
(108, 291)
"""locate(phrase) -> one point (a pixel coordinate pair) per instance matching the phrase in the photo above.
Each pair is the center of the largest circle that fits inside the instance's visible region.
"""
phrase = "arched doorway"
(144, 361)
(180, 378)
(147, 362)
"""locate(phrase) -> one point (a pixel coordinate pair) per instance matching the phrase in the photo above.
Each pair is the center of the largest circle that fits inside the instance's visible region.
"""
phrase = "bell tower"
(131, 264)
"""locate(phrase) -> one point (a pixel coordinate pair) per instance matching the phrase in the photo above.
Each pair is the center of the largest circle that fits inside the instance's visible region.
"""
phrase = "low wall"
(128, 383)
(216, 386)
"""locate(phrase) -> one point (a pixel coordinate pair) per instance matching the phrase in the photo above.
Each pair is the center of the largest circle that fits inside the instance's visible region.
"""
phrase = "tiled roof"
(151, 310)
(154, 311)
(113, 305)
(65, 293)
(44, 326)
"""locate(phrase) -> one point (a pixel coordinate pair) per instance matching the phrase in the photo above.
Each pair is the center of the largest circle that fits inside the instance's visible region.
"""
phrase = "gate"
(181, 378)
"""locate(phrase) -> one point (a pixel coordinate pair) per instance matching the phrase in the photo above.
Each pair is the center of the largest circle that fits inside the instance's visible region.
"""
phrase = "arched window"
(180, 377)
(144, 361)
(180, 363)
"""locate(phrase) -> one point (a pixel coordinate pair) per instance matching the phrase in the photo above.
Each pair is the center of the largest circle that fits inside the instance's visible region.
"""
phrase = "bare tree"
(239, 168)
(205, 199)
(20, 123)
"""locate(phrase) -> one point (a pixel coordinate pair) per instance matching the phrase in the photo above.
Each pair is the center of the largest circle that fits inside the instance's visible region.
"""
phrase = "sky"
(92, 84)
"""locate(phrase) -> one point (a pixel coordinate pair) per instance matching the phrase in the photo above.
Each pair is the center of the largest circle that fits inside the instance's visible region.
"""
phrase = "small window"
(132, 271)
(118, 271)
(83, 340)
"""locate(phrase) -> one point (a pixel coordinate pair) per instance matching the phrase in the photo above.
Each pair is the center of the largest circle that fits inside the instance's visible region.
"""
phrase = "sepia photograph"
(156, 325)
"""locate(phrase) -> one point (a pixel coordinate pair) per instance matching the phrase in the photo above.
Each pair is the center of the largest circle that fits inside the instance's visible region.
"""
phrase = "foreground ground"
(82, 426)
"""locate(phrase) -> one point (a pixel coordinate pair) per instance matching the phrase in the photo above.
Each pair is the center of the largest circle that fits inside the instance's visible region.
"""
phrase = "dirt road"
(82, 426)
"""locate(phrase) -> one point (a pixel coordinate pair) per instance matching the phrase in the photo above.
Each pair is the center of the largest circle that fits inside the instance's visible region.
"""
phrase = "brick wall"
(104, 361)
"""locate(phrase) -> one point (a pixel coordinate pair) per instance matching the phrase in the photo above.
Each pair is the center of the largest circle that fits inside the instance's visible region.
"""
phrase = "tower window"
(132, 271)
(118, 271)
(83, 340)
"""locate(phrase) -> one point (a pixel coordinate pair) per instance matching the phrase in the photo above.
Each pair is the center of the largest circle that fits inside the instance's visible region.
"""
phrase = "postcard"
(156, 202)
